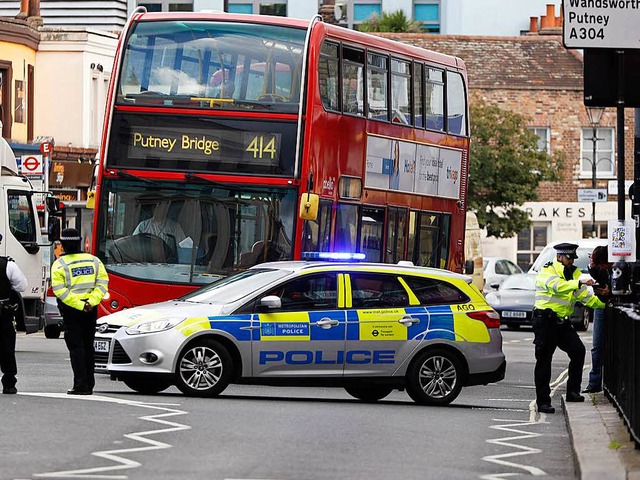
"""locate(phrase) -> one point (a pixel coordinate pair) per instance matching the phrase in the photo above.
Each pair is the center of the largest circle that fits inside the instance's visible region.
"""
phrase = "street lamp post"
(595, 116)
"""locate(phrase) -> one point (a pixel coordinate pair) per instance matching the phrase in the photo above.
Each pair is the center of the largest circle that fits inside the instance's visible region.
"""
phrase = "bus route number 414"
(261, 147)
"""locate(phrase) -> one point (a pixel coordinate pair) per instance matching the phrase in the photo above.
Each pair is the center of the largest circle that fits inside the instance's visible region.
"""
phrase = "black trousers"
(79, 332)
(549, 335)
(8, 350)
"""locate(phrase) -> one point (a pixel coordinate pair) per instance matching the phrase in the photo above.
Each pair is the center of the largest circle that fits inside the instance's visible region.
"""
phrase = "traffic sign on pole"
(32, 165)
(601, 23)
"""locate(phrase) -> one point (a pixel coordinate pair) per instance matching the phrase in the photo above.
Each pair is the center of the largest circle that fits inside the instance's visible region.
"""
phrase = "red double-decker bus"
(225, 132)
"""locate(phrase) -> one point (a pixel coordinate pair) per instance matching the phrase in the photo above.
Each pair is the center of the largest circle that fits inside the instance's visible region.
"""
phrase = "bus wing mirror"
(91, 199)
(309, 203)
(53, 205)
(468, 267)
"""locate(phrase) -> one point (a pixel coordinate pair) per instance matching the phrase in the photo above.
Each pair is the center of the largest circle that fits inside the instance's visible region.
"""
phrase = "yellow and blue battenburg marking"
(436, 322)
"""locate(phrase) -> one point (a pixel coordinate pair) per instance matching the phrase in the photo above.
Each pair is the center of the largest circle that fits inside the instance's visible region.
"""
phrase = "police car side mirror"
(270, 302)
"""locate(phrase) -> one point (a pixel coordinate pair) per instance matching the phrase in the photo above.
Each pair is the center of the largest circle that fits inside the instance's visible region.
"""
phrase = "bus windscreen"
(212, 65)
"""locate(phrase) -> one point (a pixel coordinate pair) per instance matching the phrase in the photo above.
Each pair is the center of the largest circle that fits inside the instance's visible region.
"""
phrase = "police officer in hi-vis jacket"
(80, 282)
(558, 289)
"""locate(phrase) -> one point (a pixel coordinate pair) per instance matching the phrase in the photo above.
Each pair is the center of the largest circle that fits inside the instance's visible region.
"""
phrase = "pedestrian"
(600, 270)
(12, 280)
(80, 282)
(558, 288)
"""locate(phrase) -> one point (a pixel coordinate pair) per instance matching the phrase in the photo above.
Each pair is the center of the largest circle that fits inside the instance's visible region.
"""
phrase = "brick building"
(535, 76)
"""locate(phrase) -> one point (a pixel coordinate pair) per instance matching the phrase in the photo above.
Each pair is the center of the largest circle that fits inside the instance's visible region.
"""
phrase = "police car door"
(306, 336)
(383, 323)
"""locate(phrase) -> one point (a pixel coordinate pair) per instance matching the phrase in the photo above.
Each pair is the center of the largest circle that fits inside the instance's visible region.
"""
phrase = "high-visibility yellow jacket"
(560, 295)
(79, 277)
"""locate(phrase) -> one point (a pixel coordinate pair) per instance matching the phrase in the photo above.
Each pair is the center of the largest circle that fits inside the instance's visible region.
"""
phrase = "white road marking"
(510, 441)
(121, 463)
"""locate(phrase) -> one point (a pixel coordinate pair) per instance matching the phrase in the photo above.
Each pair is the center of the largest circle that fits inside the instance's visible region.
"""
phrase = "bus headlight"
(154, 326)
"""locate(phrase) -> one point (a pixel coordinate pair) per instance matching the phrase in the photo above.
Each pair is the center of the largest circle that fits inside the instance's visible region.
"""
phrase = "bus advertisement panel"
(218, 124)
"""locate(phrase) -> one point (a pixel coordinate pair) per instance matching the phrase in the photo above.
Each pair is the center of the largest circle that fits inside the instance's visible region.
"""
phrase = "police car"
(369, 328)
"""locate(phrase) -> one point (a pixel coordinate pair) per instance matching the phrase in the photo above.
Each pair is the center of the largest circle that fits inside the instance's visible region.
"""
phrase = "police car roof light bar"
(335, 256)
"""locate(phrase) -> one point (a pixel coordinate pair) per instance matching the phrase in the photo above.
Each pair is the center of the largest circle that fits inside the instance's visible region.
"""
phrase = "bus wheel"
(204, 369)
(369, 393)
(52, 331)
(434, 377)
(146, 385)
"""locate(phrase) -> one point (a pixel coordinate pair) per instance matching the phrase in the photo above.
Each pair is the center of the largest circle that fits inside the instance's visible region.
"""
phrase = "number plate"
(508, 314)
(101, 346)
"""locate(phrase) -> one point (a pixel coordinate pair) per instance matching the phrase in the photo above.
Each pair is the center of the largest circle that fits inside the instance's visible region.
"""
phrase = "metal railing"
(621, 365)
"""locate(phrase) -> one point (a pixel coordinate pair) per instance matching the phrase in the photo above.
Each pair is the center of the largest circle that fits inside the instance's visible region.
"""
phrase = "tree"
(396, 22)
(505, 169)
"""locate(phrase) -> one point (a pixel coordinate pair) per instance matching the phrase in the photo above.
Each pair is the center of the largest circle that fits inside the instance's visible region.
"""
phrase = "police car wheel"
(204, 369)
(147, 386)
(369, 393)
(583, 326)
(434, 377)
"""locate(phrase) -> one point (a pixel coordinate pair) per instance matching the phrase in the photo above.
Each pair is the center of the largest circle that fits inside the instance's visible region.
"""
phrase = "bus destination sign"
(601, 23)
(204, 145)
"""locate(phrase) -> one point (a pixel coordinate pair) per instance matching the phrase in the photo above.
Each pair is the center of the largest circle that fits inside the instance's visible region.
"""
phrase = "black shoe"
(574, 397)
(79, 392)
(10, 390)
(592, 390)
(546, 408)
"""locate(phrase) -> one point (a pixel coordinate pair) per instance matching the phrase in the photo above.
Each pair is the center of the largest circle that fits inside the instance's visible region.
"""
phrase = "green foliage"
(505, 169)
(396, 22)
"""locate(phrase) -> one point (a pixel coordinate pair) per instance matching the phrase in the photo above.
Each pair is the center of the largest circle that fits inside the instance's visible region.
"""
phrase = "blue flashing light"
(345, 256)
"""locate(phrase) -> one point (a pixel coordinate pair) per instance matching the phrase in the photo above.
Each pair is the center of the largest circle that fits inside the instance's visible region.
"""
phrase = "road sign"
(601, 23)
(32, 165)
(592, 195)
(46, 148)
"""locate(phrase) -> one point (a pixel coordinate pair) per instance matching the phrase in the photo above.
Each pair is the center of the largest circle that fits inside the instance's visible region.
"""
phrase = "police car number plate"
(101, 346)
(508, 314)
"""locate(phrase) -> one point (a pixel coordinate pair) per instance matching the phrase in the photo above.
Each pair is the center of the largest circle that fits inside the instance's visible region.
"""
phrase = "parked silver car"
(496, 269)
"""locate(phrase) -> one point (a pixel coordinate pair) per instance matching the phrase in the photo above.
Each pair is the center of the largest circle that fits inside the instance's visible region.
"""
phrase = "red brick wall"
(564, 113)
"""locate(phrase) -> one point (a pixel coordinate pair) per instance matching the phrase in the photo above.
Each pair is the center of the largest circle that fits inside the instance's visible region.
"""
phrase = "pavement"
(601, 442)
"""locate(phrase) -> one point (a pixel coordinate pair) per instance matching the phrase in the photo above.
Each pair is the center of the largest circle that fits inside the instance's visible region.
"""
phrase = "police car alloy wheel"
(371, 393)
(434, 377)
(146, 385)
(204, 369)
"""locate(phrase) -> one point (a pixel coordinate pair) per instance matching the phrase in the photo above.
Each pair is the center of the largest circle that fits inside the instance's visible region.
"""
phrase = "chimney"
(34, 19)
(533, 24)
(550, 24)
(34, 8)
(24, 9)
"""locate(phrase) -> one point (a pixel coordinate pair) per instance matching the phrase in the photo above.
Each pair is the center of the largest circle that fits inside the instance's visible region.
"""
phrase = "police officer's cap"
(70, 235)
(567, 249)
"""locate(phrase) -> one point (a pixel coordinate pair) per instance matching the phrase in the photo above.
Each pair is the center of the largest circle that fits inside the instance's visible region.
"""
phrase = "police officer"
(558, 288)
(11, 280)
(80, 282)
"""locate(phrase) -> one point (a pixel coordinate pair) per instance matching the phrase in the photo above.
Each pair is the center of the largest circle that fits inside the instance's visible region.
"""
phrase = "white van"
(585, 247)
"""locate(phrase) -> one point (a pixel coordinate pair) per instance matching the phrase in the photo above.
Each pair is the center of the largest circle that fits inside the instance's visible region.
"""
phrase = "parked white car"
(496, 269)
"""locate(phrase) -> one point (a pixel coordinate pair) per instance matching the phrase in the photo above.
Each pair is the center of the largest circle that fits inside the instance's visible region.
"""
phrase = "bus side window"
(346, 237)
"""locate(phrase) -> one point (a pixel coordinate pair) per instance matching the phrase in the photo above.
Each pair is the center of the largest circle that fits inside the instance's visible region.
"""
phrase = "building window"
(530, 243)
(365, 10)
(168, 6)
(601, 230)
(428, 13)
(544, 138)
(246, 8)
(604, 152)
(278, 9)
